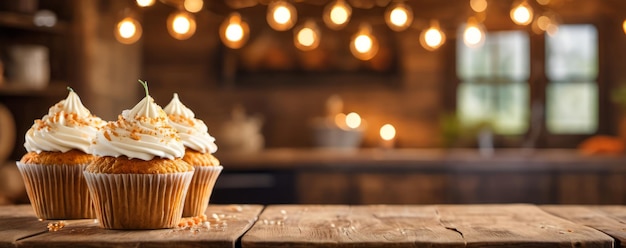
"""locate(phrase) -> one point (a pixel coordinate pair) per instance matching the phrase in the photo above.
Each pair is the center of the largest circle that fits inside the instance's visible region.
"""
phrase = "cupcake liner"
(200, 190)
(57, 191)
(138, 201)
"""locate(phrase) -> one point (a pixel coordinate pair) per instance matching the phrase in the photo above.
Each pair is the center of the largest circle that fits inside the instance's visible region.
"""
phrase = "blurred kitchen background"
(346, 101)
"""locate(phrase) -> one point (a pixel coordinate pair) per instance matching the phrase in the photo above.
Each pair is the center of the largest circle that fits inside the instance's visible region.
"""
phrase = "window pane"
(504, 55)
(572, 108)
(504, 106)
(572, 53)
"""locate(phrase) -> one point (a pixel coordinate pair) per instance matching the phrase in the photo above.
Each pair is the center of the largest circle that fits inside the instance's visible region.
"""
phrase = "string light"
(145, 3)
(624, 26)
(337, 14)
(128, 31)
(432, 38)
(364, 45)
(181, 25)
(478, 5)
(307, 36)
(281, 15)
(193, 6)
(399, 16)
(234, 32)
(521, 13)
(473, 33)
(387, 132)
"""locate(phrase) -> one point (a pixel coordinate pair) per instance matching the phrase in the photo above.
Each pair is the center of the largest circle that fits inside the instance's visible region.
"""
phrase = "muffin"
(199, 149)
(57, 148)
(139, 180)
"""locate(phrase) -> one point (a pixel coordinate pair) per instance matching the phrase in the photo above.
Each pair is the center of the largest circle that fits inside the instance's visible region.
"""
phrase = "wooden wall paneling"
(402, 188)
(579, 188)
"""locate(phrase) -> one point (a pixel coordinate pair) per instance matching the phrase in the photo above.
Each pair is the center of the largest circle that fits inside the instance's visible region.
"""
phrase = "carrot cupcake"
(199, 149)
(140, 180)
(57, 148)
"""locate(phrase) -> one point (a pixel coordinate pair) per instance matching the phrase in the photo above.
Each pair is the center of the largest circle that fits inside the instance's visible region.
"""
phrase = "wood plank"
(518, 225)
(350, 226)
(234, 221)
(17, 222)
(607, 219)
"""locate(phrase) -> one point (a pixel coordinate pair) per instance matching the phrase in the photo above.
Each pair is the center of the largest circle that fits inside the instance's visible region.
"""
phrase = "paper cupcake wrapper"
(138, 201)
(57, 191)
(200, 189)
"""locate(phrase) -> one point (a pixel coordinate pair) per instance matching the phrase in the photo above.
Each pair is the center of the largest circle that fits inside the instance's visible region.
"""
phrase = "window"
(572, 71)
(494, 88)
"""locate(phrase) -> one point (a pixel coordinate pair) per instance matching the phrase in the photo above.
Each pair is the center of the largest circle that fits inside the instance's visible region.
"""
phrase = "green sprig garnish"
(145, 86)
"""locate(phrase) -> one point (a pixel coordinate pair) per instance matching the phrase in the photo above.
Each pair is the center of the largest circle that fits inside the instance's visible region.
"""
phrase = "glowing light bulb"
(337, 14)
(145, 3)
(364, 45)
(474, 33)
(624, 26)
(353, 120)
(234, 31)
(387, 132)
(181, 25)
(522, 13)
(128, 31)
(307, 36)
(432, 38)
(399, 16)
(281, 15)
(478, 5)
(193, 6)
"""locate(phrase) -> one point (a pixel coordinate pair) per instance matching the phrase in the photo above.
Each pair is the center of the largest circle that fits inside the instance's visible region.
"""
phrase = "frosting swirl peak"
(68, 125)
(142, 132)
(193, 132)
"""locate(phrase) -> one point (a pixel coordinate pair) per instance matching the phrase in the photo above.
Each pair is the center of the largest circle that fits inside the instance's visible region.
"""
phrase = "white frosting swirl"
(142, 132)
(68, 125)
(193, 132)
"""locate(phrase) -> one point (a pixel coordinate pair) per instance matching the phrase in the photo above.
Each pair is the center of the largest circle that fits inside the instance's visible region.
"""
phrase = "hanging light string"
(282, 15)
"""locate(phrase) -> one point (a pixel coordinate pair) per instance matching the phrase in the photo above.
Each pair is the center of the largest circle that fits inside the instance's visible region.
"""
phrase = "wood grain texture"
(350, 226)
(237, 218)
(517, 225)
(608, 219)
(17, 222)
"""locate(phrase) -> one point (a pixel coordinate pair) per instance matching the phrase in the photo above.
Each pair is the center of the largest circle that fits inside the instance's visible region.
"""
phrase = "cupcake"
(199, 149)
(139, 180)
(57, 148)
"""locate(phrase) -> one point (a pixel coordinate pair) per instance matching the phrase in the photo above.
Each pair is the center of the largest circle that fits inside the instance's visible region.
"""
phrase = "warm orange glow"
(281, 15)
(128, 31)
(353, 120)
(432, 38)
(364, 45)
(145, 3)
(340, 120)
(624, 26)
(387, 132)
(337, 14)
(307, 36)
(234, 31)
(478, 5)
(399, 16)
(181, 25)
(474, 33)
(193, 6)
(522, 13)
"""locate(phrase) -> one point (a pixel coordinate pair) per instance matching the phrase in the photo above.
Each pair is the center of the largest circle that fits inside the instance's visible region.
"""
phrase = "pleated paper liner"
(138, 201)
(57, 191)
(200, 190)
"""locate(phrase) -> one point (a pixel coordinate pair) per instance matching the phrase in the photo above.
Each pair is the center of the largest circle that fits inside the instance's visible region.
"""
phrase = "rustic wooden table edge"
(225, 225)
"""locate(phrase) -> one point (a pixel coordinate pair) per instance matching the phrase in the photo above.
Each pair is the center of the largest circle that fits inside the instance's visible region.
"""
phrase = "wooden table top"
(493, 225)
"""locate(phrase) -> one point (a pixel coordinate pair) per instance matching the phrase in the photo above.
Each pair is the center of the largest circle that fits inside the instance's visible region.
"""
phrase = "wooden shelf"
(25, 21)
(54, 88)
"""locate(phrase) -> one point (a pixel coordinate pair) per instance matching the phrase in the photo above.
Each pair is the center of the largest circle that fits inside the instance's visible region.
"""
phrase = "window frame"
(537, 135)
